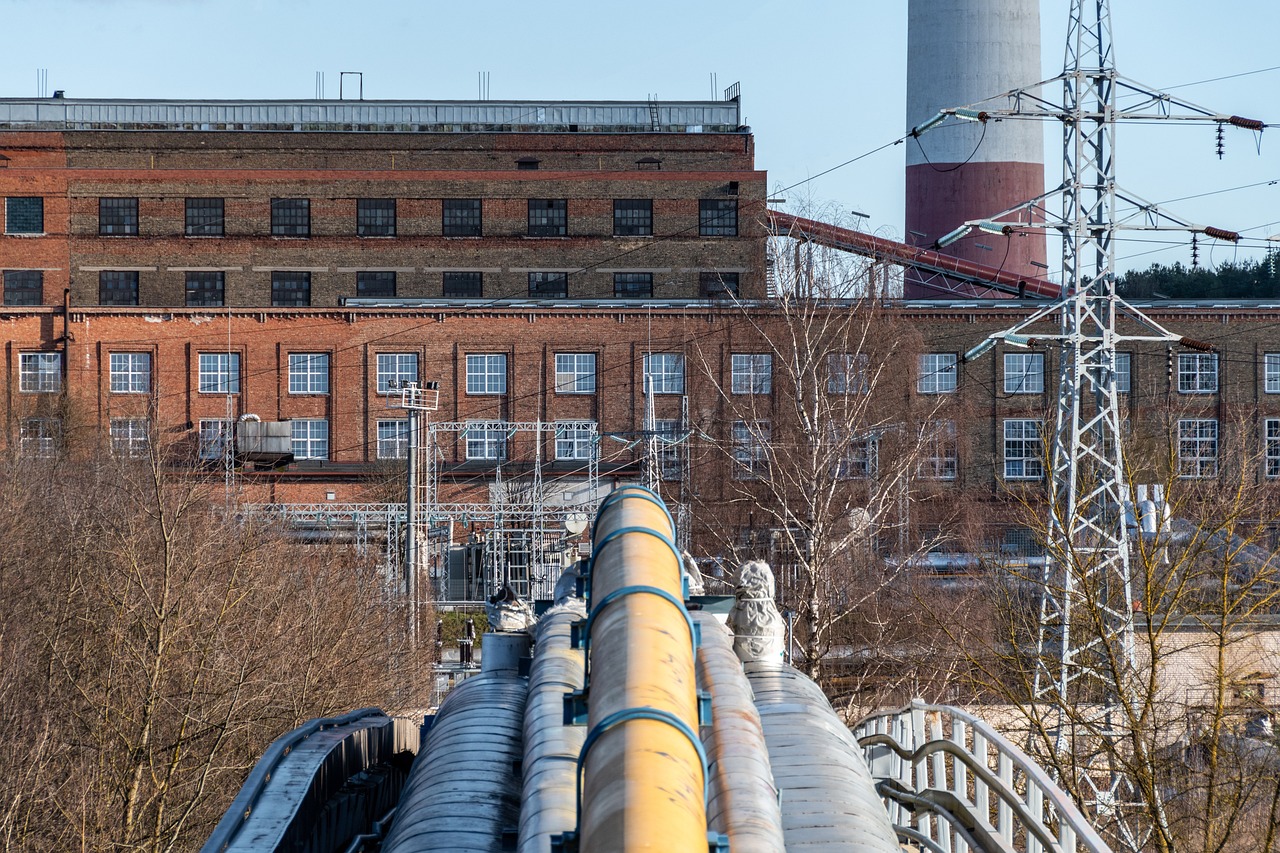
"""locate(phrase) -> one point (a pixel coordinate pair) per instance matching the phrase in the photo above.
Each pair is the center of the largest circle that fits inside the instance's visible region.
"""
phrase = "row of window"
(376, 217)
(1197, 373)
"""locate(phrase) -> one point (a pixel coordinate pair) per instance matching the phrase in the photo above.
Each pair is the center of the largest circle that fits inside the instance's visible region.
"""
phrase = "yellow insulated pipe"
(643, 771)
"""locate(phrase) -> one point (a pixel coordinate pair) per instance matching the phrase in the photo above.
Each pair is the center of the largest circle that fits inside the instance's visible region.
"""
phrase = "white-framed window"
(575, 439)
(130, 372)
(575, 373)
(129, 436)
(940, 460)
(751, 373)
(308, 373)
(393, 439)
(938, 372)
(859, 458)
(1271, 447)
(214, 438)
(487, 373)
(1271, 372)
(1197, 373)
(669, 437)
(219, 373)
(750, 448)
(395, 369)
(847, 373)
(664, 372)
(1124, 372)
(39, 438)
(486, 439)
(1023, 450)
(1024, 373)
(310, 438)
(40, 372)
(1197, 448)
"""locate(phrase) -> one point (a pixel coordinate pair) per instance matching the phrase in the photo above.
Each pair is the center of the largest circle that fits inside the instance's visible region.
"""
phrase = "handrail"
(962, 773)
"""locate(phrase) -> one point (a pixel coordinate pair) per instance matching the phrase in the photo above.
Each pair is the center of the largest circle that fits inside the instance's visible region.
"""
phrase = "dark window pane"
(204, 217)
(717, 285)
(527, 163)
(633, 285)
(376, 285)
(291, 217)
(466, 285)
(632, 217)
(548, 217)
(549, 285)
(118, 287)
(23, 287)
(718, 217)
(462, 217)
(118, 216)
(290, 289)
(205, 289)
(376, 217)
(24, 215)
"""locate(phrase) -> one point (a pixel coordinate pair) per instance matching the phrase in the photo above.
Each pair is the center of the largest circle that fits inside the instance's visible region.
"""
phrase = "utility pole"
(1088, 560)
(416, 401)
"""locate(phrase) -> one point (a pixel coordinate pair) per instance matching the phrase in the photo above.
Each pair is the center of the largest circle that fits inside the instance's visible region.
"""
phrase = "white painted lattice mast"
(1085, 657)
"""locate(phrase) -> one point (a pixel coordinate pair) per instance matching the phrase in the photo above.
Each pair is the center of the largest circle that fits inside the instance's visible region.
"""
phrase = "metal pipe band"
(637, 492)
(631, 590)
(615, 535)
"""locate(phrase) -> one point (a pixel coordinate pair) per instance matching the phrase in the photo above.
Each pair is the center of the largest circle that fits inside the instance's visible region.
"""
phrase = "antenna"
(359, 75)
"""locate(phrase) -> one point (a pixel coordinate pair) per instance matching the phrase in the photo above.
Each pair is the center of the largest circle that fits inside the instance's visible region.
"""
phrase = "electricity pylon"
(1081, 665)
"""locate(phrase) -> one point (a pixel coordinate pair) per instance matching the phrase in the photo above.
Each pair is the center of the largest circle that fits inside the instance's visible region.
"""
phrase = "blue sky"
(822, 81)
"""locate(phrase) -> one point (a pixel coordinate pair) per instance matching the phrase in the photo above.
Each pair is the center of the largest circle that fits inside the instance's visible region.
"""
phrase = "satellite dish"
(859, 520)
(576, 523)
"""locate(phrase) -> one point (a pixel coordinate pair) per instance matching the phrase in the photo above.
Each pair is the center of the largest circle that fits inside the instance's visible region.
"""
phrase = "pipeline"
(743, 803)
(643, 779)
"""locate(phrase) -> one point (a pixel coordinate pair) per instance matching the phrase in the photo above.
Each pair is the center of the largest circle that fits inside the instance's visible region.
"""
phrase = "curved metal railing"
(953, 784)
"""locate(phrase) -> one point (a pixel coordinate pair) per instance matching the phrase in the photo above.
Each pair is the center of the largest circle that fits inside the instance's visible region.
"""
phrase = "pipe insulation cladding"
(961, 53)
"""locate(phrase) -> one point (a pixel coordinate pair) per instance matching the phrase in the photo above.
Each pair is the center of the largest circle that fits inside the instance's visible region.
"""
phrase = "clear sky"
(823, 81)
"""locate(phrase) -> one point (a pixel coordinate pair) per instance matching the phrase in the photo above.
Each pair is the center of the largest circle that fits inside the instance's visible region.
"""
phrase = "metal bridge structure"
(630, 717)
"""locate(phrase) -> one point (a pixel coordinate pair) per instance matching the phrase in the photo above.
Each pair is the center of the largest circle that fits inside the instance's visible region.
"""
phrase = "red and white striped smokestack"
(960, 52)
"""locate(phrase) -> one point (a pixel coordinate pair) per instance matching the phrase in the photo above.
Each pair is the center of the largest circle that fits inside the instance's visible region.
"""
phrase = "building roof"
(350, 116)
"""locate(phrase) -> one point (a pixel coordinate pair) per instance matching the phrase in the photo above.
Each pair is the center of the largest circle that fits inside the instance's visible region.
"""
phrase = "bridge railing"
(953, 784)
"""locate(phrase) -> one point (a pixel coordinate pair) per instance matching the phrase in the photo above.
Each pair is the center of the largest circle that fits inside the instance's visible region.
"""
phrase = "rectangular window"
(464, 285)
(376, 285)
(308, 373)
(40, 372)
(1124, 372)
(548, 217)
(1271, 372)
(205, 217)
(206, 289)
(39, 438)
(1197, 372)
(310, 438)
(23, 287)
(575, 373)
(214, 439)
(1271, 442)
(575, 440)
(549, 285)
(393, 439)
(751, 373)
(290, 289)
(487, 373)
(717, 285)
(1197, 448)
(1024, 373)
(1023, 451)
(130, 436)
(219, 373)
(668, 435)
(847, 373)
(130, 372)
(375, 217)
(633, 285)
(632, 217)
(718, 217)
(24, 215)
(462, 217)
(118, 216)
(485, 439)
(118, 287)
(750, 443)
(396, 369)
(664, 372)
(938, 371)
(859, 458)
(940, 461)
(291, 217)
